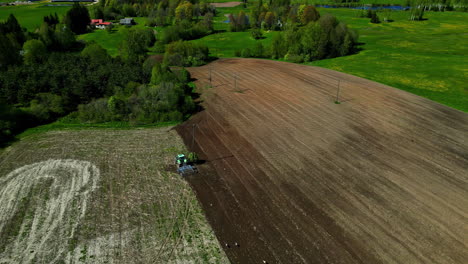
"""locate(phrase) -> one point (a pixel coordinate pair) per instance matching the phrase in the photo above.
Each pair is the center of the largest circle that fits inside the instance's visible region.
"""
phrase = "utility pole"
(235, 81)
(193, 135)
(337, 101)
(210, 77)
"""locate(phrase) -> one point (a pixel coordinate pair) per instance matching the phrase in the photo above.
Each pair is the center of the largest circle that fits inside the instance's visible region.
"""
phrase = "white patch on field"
(61, 191)
(103, 249)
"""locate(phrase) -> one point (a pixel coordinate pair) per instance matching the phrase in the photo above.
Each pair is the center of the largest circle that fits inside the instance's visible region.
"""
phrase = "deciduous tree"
(95, 53)
(34, 51)
(77, 18)
(309, 14)
(184, 11)
(136, 43)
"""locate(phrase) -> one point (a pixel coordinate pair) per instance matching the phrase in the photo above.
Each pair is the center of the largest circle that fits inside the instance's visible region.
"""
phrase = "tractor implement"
(183, 166)
(187, 170)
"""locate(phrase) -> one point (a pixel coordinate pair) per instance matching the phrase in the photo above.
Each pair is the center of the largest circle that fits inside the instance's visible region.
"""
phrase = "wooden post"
(235, 82)
(338, 93)
(210, 77)
(193, 135)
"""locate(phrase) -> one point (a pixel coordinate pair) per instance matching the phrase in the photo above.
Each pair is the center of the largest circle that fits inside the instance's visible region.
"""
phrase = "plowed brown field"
(295, 178)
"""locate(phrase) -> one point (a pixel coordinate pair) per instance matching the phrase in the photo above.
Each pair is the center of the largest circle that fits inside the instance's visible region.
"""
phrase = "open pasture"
(31, 16)
(427, 58)
(111, 40)
(296, 178)
(100, 196)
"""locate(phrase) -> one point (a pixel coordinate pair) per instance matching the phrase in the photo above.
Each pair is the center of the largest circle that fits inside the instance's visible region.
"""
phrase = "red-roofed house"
(98, 23)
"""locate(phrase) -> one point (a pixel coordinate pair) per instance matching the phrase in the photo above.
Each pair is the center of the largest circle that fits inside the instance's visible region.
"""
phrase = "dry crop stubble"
(133, 210)
(60, 190)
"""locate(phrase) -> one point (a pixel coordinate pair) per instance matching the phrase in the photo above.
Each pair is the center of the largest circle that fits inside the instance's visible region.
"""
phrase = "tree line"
(303, 34)
(427, 5)
(167, 97)
(159, 12)
(47, 74)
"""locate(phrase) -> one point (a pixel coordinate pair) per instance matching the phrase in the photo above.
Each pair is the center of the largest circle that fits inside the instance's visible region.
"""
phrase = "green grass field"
(30, 16)
(110, 41)
(364, 2)
(427, 58)
(226, 43)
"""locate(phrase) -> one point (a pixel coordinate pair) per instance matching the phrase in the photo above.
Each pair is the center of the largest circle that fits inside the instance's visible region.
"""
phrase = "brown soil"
(295, 178)
(227, 4)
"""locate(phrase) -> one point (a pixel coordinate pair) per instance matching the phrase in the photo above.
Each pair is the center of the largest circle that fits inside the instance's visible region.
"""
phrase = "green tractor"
(181, 160)
(184, 169)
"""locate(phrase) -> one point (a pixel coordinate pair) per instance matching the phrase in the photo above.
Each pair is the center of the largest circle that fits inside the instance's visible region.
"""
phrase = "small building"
(128, 21)
(99, 23)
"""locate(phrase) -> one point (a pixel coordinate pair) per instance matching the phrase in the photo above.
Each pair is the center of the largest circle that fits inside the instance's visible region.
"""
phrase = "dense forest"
(48, 74)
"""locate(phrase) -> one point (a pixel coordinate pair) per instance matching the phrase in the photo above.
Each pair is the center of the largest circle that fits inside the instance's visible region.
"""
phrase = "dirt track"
(295, 178)
(227, 4)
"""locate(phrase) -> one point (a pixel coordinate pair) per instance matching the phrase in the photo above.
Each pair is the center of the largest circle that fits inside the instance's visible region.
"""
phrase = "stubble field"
(100, 196)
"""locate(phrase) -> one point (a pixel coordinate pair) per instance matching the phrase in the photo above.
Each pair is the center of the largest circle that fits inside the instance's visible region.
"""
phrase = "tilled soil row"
(295, 178)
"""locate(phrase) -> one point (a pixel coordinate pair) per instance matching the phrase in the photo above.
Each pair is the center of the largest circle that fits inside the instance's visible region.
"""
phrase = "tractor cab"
(180, 160)
(184, 169)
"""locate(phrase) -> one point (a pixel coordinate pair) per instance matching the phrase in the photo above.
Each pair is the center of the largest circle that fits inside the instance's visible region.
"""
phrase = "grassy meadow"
(427, 58)
(364, 2)
(110, 40)
(31, 16)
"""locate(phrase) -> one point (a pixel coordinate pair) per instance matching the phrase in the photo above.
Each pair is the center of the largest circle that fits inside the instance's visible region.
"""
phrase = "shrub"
(294, 58)
(95, 53)
(117, 107)
(185, 31)
(96, 111)
(13, 121)
(192, 157)
(246, 53)
(374, 18)
(46, 107)
(256, 33)
(184, 53)
(258, 51)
